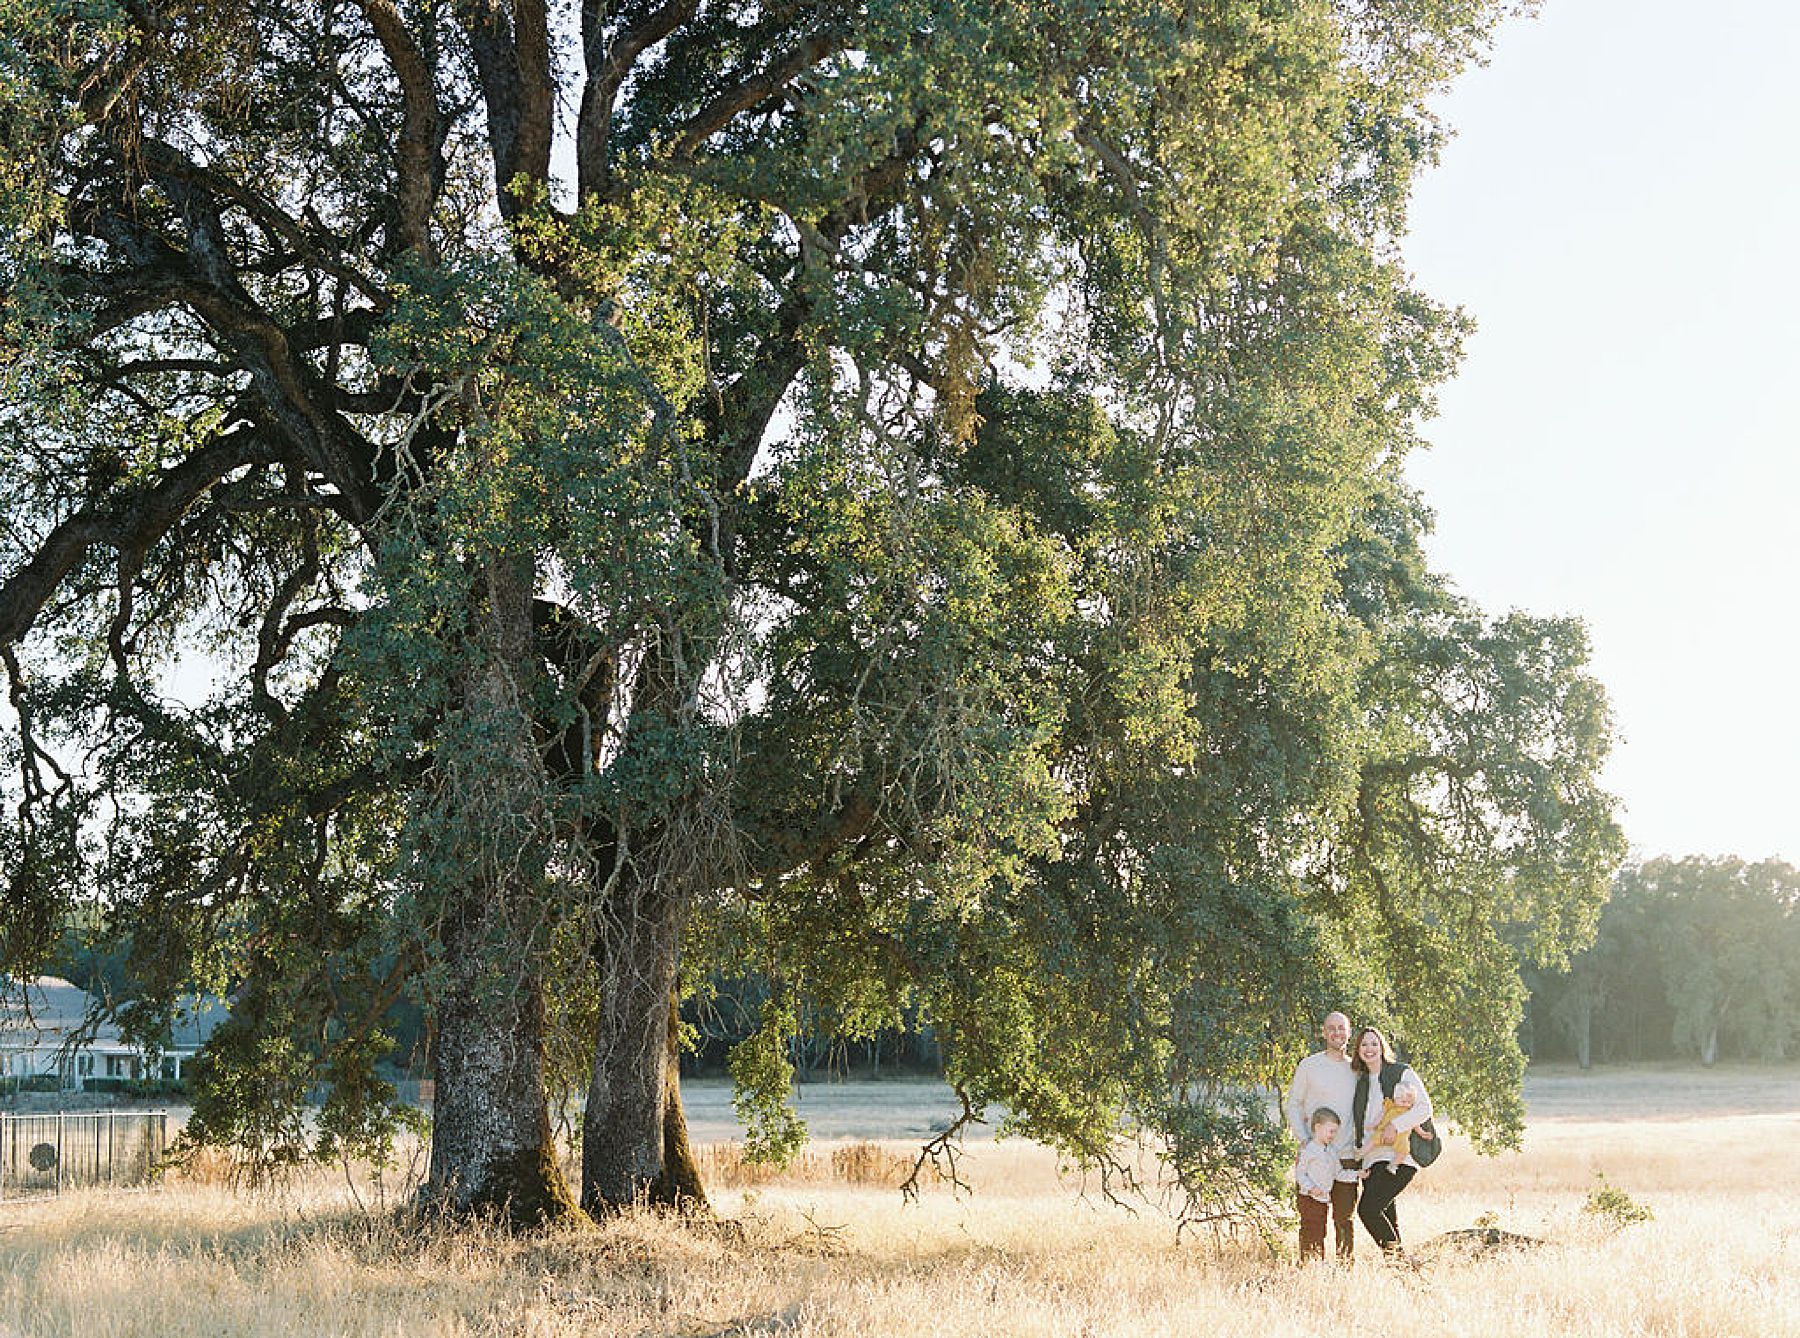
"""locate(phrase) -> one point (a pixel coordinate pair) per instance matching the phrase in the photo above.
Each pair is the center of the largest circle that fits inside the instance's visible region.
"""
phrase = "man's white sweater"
(1323, 1080)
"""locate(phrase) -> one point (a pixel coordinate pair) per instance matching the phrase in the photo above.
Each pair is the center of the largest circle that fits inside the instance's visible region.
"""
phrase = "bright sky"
(1619, 212)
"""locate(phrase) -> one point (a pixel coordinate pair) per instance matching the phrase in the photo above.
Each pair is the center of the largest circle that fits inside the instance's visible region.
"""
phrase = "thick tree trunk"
(680, 1184)
(634, 1135)
(492, 1151)
(491, 1145)
(1584, 1035)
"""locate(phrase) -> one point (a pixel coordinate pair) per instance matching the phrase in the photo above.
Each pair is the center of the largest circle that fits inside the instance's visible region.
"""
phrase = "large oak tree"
(900, 498)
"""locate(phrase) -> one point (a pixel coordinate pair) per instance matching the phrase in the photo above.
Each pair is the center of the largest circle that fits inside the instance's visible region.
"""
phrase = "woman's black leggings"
(1376, 1206)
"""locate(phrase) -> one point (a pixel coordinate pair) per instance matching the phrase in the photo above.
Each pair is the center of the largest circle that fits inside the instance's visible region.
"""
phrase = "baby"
(1385, 1135)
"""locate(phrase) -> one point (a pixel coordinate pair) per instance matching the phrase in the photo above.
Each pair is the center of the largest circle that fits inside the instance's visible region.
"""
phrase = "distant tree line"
(1695, 958)
(729, 1010)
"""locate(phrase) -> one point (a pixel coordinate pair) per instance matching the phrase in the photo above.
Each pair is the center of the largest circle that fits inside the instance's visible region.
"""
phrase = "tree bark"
(679, 1185)
(634, 1134)
(492, 1151)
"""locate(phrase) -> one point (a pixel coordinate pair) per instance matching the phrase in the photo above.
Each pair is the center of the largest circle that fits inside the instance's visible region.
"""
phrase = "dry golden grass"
(829, 1253)
(864, 1162)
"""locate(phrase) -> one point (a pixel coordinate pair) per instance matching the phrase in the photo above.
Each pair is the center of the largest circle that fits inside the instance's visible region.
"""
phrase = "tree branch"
(781, 72)
(589, 666)
(131, 521)
(418, 158)
(294, 397)
(31, 753)
(516, 87)
(780, 849)
(172, 166)
(537, 86)
(608, 66)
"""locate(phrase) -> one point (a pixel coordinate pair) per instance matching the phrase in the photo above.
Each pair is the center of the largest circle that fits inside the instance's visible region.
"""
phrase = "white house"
(44, 1032)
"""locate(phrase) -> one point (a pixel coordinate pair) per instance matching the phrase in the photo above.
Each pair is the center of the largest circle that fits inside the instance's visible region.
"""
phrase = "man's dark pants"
(1343, 1215)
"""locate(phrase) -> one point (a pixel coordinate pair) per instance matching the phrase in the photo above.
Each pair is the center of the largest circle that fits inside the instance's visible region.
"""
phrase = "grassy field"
(1712, 1155)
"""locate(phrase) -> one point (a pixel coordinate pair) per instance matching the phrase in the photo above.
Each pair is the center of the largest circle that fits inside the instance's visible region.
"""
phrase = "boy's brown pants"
(1312, 1221)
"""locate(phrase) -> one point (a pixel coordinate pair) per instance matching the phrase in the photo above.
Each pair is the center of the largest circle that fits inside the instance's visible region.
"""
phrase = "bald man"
(1325, 1078)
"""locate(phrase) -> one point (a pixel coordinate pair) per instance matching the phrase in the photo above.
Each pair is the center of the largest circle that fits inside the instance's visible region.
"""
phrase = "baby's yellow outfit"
(1400, 1142)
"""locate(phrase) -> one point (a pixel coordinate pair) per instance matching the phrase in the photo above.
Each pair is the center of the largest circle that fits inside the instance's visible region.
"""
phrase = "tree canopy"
(904, 499)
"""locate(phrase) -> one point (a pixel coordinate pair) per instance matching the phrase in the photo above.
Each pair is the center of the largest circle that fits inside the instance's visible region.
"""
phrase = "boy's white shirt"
(1316, 1169)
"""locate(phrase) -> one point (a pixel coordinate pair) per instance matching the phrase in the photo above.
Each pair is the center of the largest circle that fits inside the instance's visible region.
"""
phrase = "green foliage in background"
(1695, 958)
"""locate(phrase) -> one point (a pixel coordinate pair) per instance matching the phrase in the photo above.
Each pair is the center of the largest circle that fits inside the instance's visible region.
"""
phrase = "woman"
(1385, 1174)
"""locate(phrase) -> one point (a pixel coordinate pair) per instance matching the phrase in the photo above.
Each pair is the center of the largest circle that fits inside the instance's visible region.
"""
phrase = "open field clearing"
(914, 1107)
(812, 1254)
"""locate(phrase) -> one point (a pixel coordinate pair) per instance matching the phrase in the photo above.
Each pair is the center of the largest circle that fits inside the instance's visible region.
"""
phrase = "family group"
(1364, 1124)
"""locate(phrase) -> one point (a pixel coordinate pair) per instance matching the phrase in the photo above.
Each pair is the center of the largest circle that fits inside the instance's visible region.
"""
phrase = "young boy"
(1314, 1174)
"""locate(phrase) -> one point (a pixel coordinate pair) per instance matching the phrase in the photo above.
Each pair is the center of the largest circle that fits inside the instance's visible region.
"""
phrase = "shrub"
(1612, 1204)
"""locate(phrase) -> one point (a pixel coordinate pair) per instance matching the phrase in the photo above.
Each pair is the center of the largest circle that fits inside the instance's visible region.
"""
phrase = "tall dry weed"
(724, 1165)
(869, 1163)
(864, 1162)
